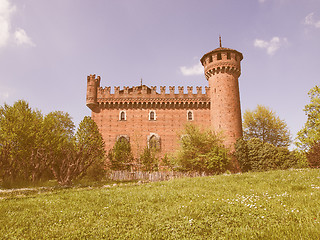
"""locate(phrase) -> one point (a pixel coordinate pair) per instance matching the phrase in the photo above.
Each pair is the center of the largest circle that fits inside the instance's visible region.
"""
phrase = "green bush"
(255, 155)
(313, 156)
(149, 160)
(202, 151)
(120, 156)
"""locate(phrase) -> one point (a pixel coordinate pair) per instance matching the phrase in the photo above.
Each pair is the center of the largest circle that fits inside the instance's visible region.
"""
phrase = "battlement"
(97, 95)
(92, 84)
(222, 60)
(151, 92)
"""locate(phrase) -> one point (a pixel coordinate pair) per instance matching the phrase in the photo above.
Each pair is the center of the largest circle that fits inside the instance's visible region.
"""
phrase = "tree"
(120, 156)
(309, 135)
(202, 151)
(90, 150)
(255, 155)
(262, 123)
(149, 160)
(58, 144)
(72, 155)
(19, 131)
(33, 147)
(313, 156)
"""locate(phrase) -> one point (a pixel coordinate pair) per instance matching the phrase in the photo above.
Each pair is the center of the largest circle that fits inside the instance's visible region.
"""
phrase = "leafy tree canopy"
(309, 135)
(262, 123)
(120, 156)
(202, 151)
(149, 159)
(73, 153)
(19, 130)
(255, 155)
(313, 156)
(32, 146)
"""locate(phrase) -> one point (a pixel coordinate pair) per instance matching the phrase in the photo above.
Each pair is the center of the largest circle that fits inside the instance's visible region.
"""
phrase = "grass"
(267, 205)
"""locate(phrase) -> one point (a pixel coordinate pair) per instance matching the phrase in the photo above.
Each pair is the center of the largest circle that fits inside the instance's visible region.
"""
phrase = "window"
(228, 55)
(122, 116)
(123, 138)
(190, 115)
(219, 56)
(152, 115)
(154, 141)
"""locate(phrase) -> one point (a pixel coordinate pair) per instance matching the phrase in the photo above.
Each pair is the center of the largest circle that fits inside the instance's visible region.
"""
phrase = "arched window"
(123, 138)
(190, 115)
(152, 115)
(154, 141)
(122, 116)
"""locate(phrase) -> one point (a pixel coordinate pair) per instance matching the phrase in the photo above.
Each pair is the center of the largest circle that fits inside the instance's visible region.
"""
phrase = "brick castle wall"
(138, 128)
(170, 111)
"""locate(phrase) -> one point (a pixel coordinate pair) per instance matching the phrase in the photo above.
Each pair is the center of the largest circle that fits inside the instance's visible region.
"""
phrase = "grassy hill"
(267, 205)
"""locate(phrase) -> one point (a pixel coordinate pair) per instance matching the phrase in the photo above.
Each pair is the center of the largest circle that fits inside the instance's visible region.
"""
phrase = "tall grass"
(268, 205)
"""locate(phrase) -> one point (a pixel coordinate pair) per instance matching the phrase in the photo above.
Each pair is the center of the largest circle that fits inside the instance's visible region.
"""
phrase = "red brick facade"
(141, 113)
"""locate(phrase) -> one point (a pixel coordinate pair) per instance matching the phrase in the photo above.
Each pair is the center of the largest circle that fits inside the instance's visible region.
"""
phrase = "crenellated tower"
(222, 70)
(93, 84)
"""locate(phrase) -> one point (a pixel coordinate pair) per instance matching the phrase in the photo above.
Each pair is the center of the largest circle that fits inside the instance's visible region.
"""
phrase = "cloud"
(194, 70)
(262, 1)
(309, 20)
(20, 36)
(272, 46)
(4, 95)
(5, 13)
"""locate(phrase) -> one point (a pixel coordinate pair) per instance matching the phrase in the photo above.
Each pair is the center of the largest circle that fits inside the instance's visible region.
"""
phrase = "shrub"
(313, 156)
(255, 155)
(149, 160)
(120, 156)
(202, 151)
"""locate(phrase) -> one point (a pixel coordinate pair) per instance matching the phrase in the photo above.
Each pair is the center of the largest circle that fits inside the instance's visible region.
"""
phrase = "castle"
(149, 118)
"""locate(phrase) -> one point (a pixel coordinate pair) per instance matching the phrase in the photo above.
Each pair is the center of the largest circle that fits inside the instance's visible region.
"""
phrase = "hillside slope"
(267, 205)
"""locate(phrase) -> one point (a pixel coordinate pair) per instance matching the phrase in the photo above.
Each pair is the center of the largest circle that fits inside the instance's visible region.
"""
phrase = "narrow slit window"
(122, 116)
(228, 55)
(152, 116)
(219, 56)
(190, 116)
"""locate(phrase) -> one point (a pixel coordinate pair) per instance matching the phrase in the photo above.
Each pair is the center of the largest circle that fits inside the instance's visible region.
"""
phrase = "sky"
(48, 48)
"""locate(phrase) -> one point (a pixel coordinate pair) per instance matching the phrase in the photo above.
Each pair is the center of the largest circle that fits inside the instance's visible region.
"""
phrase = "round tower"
(222, 70)
(92, 86)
